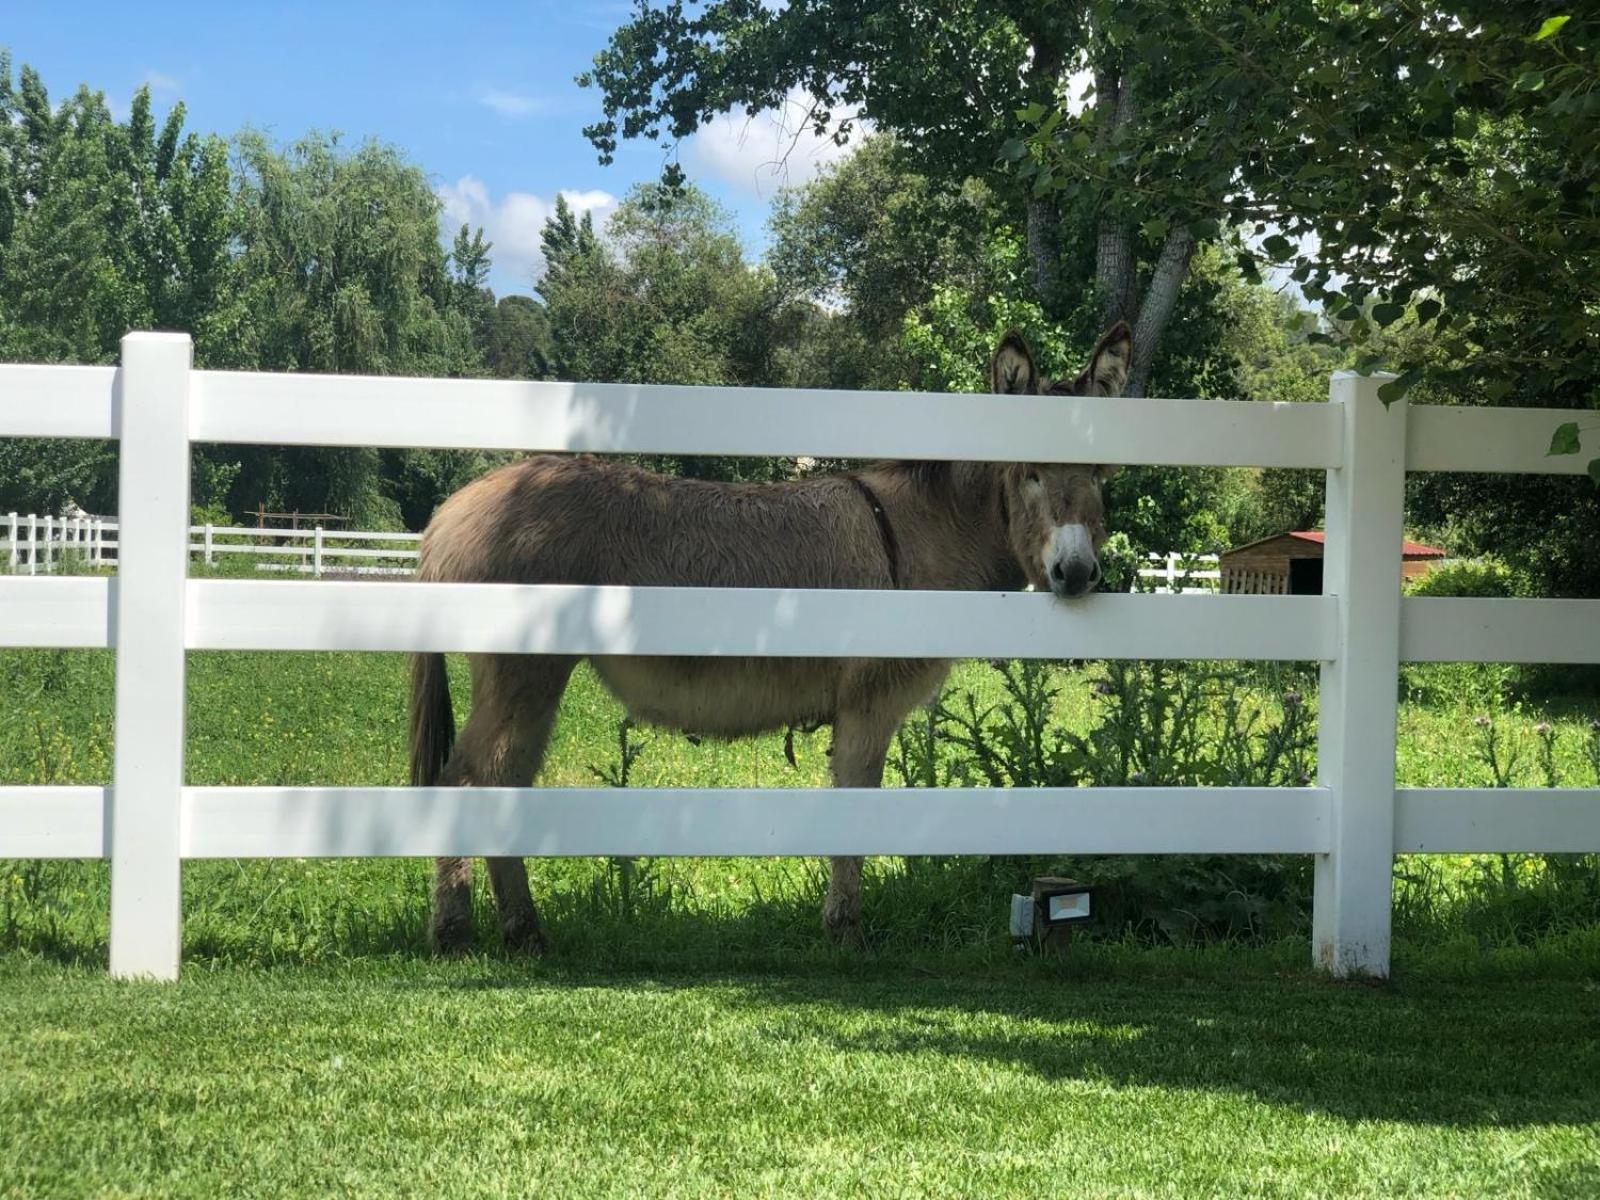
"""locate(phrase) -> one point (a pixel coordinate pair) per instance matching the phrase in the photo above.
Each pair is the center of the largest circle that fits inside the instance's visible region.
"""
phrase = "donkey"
(584, 520)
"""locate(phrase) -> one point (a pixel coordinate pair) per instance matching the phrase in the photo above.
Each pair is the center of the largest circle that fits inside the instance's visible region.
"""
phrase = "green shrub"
(1158, 725)
(1484, 578)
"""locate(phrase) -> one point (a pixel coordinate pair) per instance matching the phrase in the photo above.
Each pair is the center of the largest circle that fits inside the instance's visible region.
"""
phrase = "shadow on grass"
(1469, 1055)
(1435, 1048)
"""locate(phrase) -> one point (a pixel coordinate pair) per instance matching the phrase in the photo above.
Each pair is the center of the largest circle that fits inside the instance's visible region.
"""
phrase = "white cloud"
(508, 103)
(513, 223)
(770, 150)
(158, 82)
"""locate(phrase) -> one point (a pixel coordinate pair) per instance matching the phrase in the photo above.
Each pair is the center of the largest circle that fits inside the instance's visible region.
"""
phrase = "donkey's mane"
(924, 475)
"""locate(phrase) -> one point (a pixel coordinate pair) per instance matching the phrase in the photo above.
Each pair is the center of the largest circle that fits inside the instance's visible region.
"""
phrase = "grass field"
(692, 1034)
(1173, 1075)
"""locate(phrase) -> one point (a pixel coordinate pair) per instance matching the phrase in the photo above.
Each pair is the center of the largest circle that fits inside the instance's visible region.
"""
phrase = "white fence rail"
(34, 545)
(1353, 820)
(1183, 574)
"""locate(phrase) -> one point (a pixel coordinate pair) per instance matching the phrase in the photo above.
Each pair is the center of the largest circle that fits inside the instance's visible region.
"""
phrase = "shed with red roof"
(1290, 564)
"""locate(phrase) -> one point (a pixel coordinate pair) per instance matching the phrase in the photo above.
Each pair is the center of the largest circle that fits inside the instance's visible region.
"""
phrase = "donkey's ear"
(1012, 370)
(1108, 365)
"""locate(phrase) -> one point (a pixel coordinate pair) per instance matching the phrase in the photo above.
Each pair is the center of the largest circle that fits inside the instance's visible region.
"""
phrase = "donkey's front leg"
(860, 742)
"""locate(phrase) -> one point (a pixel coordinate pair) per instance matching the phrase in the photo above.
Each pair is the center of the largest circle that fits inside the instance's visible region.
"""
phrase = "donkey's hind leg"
(514, 699)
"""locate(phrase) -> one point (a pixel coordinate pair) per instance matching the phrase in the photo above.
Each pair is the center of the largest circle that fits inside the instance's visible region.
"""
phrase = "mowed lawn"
(398, 1077)
(693, 1035)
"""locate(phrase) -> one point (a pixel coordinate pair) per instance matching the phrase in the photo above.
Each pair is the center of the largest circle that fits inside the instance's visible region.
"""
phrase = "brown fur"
(584, 520)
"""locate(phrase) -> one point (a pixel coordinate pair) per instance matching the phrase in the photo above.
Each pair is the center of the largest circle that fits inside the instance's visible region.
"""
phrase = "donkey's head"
(1055, 510)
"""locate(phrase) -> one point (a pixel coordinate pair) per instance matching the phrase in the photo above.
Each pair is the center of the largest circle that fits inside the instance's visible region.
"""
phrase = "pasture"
(339, 719)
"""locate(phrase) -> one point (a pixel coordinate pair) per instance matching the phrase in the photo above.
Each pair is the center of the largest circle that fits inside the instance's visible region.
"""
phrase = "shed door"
(1305, 577)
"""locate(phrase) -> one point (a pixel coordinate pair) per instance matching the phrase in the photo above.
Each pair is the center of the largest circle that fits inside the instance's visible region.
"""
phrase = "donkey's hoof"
(525, 937)
(451, 938)
(844, 929)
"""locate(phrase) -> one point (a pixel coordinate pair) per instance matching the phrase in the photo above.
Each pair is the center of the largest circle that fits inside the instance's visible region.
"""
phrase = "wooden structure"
(1290, 564)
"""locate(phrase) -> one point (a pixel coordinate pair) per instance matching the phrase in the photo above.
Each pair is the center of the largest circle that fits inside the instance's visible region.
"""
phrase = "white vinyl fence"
(34, 545)
(1182, 574)
(1353, 820)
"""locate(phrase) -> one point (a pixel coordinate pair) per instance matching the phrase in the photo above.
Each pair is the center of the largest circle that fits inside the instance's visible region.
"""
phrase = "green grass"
(338, 719)
(694, 1034)
(398, 1077)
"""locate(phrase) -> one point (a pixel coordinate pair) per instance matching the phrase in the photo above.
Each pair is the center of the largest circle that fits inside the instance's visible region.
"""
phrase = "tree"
(875, 234)
(518, 344)
(104, 227)
(342, 271)
(1436, 158)
(952, 80)
(470, 294)
(666, 298)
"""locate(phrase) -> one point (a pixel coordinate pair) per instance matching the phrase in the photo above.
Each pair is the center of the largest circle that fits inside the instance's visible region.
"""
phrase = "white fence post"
(33, 544)
(316, 553)
(49, 545)
(95, 534)
(211, 555)
(1356, 727)
(152, 570)
(11, 541)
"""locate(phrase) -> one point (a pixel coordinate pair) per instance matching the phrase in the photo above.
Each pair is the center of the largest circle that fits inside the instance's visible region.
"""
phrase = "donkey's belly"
(722, 696)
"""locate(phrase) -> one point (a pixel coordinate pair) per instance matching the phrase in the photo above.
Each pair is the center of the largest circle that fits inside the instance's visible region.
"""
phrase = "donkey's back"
(585, 520)
(588, 521)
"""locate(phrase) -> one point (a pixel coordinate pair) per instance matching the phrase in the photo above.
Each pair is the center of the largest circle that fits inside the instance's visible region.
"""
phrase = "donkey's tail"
(433, 724)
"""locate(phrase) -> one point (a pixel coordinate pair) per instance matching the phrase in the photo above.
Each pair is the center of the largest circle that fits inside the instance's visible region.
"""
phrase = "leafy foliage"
(666, 298)
(1400, 157)
(1158, 725)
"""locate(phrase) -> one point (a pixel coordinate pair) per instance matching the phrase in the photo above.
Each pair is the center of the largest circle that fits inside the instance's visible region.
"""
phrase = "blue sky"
(480, 96)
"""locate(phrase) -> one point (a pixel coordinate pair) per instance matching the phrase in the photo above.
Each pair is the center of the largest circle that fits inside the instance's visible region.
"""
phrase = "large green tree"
(342, 271)
(105, 226)
(1436, 157)
(950, 80)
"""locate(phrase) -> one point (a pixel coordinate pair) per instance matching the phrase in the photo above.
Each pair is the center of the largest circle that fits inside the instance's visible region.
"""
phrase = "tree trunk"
(1159, 300)
(1116, 272)
(1042, 217)
(1115, 268)
(1044, 252)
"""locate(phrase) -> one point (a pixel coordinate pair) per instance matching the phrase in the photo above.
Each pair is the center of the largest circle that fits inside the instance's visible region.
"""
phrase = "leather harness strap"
(891, 548)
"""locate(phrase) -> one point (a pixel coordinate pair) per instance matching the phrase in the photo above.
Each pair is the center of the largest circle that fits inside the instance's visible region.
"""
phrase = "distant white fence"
(1353, 820)
(1183, 574)
(35, 545)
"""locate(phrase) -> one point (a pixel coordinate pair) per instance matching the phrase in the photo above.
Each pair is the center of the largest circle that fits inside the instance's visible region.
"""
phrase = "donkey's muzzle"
(1074, 577)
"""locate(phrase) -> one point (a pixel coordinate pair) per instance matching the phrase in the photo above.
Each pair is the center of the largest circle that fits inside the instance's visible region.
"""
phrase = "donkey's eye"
(1032, 477)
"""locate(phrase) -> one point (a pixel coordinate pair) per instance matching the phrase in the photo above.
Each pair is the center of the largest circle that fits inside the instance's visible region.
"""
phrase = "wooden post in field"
(1356, 726)
(316, 553)
(152, 570)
